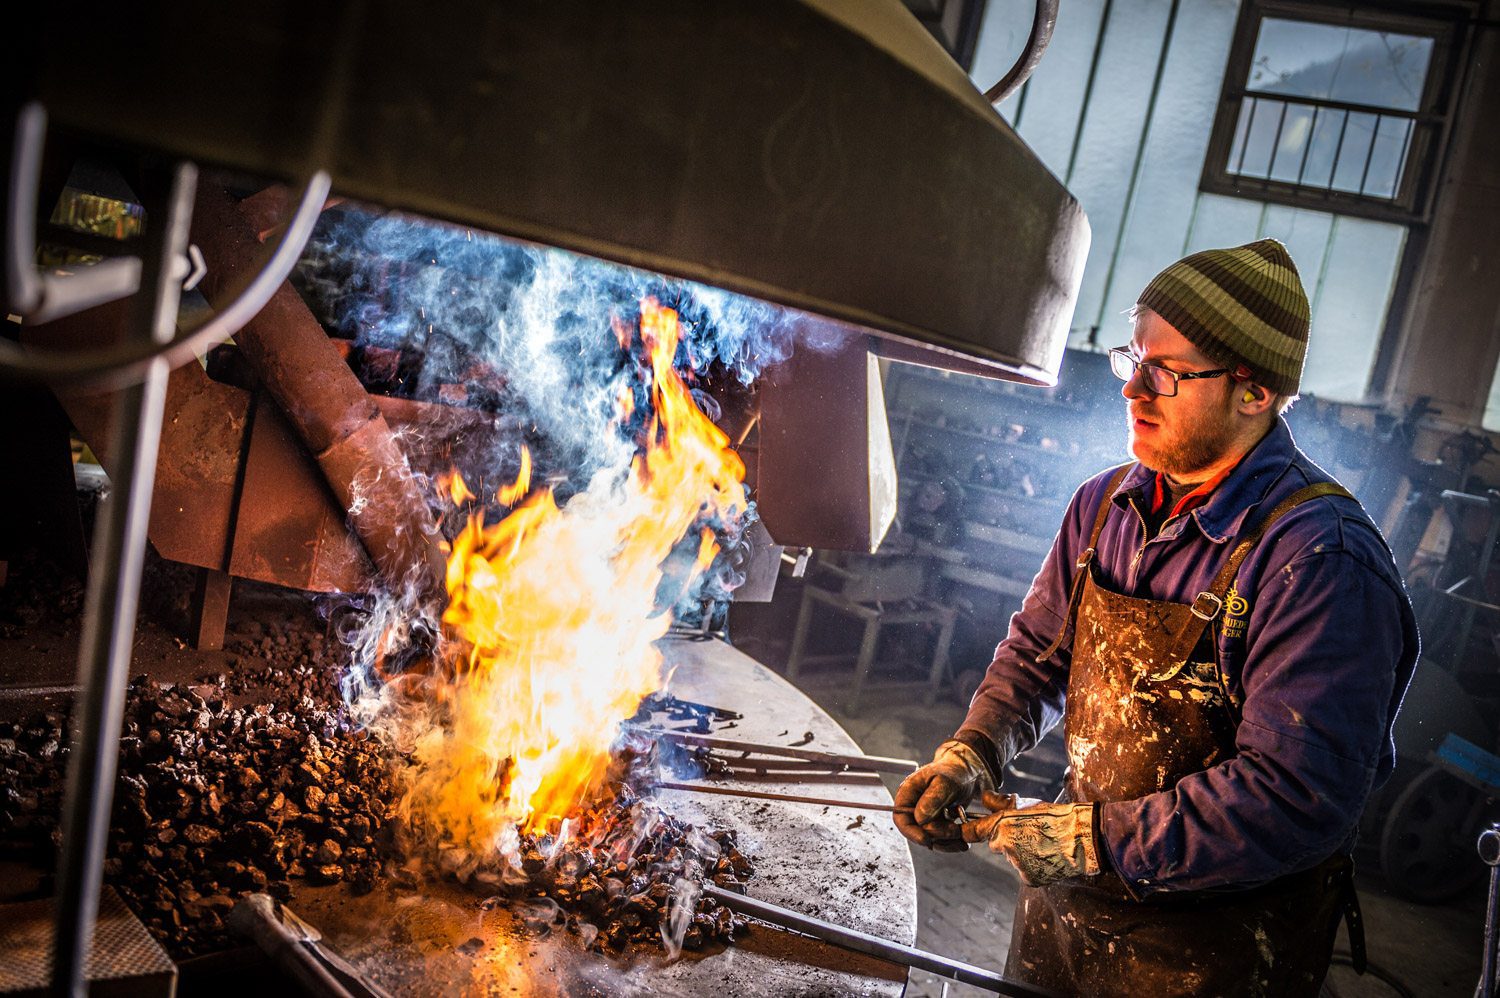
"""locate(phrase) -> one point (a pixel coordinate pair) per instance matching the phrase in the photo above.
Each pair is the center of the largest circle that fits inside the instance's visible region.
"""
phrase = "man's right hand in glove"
(954, 776)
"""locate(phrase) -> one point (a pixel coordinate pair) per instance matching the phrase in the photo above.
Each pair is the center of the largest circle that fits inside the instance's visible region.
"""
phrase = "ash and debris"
(622, 873)
(49, 593)
(253, 778)
(630, 875)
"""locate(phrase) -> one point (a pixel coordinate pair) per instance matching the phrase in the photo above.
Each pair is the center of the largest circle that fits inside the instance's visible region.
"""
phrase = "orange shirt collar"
(1193, 499)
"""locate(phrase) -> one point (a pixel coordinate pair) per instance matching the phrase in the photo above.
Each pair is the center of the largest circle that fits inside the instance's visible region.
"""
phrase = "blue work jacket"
(1317, 644)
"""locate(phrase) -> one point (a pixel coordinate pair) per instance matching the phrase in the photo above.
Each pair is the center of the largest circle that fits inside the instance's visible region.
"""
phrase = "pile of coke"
(213, 800)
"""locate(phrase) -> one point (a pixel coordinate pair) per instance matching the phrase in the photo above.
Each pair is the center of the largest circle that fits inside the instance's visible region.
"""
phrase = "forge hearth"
(411, 933)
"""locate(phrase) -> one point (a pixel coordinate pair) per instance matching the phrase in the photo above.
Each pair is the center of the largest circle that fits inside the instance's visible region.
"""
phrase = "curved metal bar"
(1026, 62)
(127, 364)
(224, 324)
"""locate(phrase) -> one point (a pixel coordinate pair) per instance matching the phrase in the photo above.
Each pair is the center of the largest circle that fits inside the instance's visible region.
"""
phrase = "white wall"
(1131, 150)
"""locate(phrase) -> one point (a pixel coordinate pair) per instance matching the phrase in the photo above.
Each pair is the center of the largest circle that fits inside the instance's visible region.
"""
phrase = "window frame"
(1412, 203)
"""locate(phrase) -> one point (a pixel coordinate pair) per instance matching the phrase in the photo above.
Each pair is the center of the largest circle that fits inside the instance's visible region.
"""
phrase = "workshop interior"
(499, 496)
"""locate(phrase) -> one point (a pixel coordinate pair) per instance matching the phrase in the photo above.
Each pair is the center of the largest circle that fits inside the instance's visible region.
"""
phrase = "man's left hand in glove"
(1045, 842)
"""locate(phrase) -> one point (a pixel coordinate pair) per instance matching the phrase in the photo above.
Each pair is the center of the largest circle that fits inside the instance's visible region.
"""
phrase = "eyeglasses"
(1154, 378)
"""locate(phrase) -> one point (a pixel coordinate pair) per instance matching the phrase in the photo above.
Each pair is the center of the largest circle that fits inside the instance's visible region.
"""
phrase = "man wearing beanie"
(1225, 636)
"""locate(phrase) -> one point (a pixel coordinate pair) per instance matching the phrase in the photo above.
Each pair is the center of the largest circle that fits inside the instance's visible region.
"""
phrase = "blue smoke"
(525, 330)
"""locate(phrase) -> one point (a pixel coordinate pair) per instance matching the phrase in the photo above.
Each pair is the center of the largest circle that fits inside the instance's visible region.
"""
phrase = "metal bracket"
(39, 296)
(798, 561)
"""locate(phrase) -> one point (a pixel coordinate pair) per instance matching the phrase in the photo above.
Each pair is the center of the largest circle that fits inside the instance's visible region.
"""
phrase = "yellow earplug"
(1249, 396)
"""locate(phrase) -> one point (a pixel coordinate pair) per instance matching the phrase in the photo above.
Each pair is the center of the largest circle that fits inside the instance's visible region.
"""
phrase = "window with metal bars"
(1334, 108)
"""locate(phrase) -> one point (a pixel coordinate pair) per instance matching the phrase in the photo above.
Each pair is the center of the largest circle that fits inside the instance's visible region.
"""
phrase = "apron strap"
(1208, 604)
(1075, 594)
(1354, 920)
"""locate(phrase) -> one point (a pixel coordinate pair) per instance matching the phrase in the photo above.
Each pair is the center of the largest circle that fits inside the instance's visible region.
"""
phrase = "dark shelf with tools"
(1016, 453)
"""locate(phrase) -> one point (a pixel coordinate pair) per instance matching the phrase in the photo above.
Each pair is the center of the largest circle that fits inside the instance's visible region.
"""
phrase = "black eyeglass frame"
(1173, 376)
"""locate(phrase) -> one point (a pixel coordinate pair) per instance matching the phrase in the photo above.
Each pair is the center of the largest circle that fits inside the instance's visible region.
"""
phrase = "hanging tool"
(1489, 852)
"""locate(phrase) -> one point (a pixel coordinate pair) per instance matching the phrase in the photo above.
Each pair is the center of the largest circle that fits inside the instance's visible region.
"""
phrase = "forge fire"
(505, 741)
(492, 756)
(551, 623)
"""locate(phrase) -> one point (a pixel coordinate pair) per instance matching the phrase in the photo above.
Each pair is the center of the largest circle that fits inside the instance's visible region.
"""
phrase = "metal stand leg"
(113, 596)
(210, 608)
(940, 657)
(866, 657)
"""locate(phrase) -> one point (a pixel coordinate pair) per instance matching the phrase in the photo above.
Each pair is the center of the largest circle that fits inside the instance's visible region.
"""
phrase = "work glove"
(927, 800)
(1044, 842)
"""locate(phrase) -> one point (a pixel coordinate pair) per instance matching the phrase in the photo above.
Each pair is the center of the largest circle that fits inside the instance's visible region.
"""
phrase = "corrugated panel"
(1161, 213)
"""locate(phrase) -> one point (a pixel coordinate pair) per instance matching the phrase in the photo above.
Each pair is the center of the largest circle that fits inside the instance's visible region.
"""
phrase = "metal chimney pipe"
(338, 421)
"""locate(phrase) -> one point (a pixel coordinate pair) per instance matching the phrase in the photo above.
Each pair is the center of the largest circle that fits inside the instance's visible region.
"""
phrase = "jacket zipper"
(1135, 561)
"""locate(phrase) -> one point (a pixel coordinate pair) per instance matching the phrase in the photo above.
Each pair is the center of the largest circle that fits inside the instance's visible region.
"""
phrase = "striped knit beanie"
(1242, 306)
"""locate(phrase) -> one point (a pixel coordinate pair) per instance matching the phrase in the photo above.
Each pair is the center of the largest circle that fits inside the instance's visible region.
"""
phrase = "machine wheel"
(1427, 841)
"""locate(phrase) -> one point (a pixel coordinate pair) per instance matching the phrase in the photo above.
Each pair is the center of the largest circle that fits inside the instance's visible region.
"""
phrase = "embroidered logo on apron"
(1236, 614)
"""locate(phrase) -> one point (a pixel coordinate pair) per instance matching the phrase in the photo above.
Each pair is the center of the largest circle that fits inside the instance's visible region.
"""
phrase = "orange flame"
(516, 491)
(453, 483)
(555, 610)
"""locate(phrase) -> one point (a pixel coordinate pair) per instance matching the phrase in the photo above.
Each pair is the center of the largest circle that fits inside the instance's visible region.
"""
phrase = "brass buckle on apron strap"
(1203, 599)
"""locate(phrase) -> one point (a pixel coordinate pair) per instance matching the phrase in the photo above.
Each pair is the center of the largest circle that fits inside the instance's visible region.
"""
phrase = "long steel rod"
(113, 595)
(703, 788)
(1489, 853)
(1487, 965)
(871, 763)
(863, 942)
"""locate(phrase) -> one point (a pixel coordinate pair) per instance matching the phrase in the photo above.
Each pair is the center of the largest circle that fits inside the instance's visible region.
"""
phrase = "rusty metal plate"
(289, 528)
(197, 462)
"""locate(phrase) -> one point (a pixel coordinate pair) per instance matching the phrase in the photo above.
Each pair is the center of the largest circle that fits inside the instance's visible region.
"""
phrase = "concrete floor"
(965, 901)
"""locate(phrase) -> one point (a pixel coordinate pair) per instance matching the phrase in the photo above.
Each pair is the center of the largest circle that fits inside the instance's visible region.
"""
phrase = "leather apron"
(1146, 706)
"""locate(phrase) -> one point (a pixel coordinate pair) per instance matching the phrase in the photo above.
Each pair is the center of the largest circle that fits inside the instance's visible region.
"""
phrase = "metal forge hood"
(822, 154)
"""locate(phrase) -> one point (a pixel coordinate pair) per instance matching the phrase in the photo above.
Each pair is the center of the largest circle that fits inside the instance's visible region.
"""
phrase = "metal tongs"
(834, 761)
(297, 947)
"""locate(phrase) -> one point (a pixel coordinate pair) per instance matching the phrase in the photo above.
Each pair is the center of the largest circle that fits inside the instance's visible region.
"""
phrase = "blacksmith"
(1225, 636)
